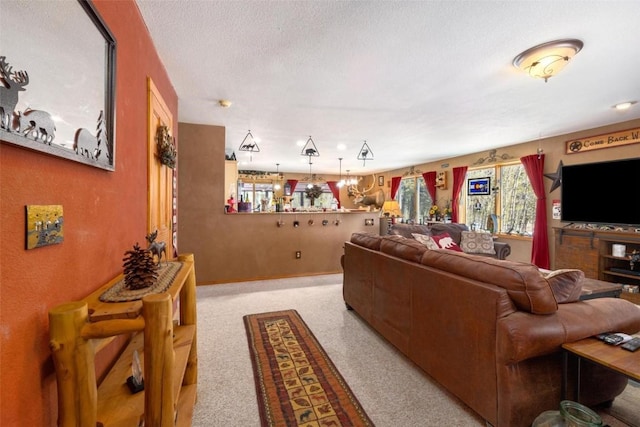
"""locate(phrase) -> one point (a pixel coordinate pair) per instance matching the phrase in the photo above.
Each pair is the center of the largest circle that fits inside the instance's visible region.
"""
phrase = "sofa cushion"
(526, 286)
(425, 240)
(566, 284)
(453, 228)
(367, 240)
(477, 242)
(405, 230)
(402, 247)
(444, 241)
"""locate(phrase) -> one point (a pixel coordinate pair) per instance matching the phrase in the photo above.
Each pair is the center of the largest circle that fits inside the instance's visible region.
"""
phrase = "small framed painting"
(479, 186)
(380, 181)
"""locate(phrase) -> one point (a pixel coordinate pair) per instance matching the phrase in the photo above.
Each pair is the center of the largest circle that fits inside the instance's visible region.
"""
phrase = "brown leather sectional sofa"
(490, 331)
(454, 229)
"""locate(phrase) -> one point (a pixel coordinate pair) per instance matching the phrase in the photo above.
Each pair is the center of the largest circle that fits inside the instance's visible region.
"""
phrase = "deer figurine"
(156, 248)
(14, 82)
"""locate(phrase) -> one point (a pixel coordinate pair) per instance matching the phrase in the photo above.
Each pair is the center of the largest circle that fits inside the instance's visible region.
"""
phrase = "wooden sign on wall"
(616, 139)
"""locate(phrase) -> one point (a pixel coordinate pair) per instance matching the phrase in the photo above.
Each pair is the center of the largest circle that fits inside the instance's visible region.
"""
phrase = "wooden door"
(160, 177)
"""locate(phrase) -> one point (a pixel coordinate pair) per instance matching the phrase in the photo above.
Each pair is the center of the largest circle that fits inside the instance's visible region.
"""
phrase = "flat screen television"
(602, 193)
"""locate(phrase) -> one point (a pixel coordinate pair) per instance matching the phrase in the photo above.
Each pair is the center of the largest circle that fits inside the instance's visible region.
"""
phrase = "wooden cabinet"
(167, 349)
(577, 250)
(592, 252)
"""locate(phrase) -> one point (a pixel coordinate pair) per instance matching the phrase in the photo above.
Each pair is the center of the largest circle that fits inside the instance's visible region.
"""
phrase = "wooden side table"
(592, 288)
(612, 357)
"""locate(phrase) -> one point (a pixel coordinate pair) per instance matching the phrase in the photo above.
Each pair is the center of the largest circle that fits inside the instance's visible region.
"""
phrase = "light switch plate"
(44, 225)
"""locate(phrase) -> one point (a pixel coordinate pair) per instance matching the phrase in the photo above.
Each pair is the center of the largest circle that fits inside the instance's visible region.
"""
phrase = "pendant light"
(310, 149)
(277, 185)
(249, 144)
(365, 153)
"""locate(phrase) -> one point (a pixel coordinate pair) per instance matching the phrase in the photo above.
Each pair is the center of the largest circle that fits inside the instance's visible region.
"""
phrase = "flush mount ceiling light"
(224, 103)
(547, 59)
(625, 105)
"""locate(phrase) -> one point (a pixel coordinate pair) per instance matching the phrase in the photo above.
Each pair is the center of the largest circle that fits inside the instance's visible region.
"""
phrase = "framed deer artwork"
(57, 81)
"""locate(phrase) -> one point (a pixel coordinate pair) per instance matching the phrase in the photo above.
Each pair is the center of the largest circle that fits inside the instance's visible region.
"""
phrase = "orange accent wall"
(104, 213)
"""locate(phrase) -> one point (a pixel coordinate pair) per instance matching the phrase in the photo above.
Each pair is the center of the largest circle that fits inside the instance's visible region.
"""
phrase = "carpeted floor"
(392, 390)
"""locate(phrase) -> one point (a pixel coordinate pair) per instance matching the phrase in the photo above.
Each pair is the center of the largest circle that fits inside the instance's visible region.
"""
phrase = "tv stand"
(590, 250)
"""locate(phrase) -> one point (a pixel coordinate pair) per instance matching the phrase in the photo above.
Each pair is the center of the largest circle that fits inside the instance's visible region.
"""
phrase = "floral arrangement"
(313, 192)
(437, 213)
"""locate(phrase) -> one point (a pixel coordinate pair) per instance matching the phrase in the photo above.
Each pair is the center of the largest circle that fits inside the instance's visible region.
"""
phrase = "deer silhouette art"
(13, 82)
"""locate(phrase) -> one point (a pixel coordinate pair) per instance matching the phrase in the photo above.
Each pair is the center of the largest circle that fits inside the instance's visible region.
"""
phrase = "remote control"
(632, 345)
(617, 339)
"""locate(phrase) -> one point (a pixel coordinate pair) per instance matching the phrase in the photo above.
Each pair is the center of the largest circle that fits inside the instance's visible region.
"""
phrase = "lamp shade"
(391, 208)
(547, 59)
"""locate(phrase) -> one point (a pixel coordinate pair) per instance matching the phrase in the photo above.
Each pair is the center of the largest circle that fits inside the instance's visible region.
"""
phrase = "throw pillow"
(566, 284)
(425, 240)
(477, 242)
(444, 241)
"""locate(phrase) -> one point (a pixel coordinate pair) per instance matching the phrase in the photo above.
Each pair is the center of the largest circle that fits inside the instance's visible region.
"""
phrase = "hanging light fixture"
(350, 181)
(310, 150)
(277, 186)
(340, 183)
(311, 176)
(365, 153)
(249, 144)
(547, 59)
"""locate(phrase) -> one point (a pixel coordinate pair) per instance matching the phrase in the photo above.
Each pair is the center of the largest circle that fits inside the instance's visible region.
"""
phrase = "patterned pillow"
(477, 242)
(425, 240)
(445, 241)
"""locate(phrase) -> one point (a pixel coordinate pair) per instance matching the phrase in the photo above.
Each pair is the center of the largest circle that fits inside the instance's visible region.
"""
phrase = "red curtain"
(430, 181)
(458, 180)
(335, 190)
(534, 166)
(395, 184)
(292, 183)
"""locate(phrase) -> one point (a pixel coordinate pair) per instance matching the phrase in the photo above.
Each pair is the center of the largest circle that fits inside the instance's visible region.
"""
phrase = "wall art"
(45, 225)
(479, 186)
(57, 81)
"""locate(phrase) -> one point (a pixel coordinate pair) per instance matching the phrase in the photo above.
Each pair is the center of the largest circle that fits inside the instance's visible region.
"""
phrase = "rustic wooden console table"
(168, 356)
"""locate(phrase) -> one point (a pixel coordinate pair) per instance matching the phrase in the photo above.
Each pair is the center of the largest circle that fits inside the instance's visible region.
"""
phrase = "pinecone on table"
(139, 269)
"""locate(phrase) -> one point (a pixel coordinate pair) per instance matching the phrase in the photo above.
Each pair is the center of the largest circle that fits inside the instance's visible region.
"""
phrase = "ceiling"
(420, 81)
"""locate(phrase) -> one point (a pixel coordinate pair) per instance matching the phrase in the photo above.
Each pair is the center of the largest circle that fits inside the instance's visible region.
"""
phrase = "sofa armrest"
(522, 335)
(503, 249)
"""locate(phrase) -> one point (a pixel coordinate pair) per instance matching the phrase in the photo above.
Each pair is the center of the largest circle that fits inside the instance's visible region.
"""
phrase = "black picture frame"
(69, 58)
(479, 186)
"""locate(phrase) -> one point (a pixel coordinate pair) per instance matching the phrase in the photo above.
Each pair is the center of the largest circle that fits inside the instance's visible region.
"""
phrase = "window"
(414, 199)
(259, 194)
(299, 198)
(510, 206)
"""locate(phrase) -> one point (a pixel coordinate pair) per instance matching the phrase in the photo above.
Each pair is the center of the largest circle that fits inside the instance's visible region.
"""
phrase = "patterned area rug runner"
(296, 382)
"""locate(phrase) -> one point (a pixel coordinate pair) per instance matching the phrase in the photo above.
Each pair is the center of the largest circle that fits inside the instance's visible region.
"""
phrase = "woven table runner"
(119, 293)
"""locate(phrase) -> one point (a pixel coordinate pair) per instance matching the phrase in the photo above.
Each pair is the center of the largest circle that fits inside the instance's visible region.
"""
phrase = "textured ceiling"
(420, 81)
